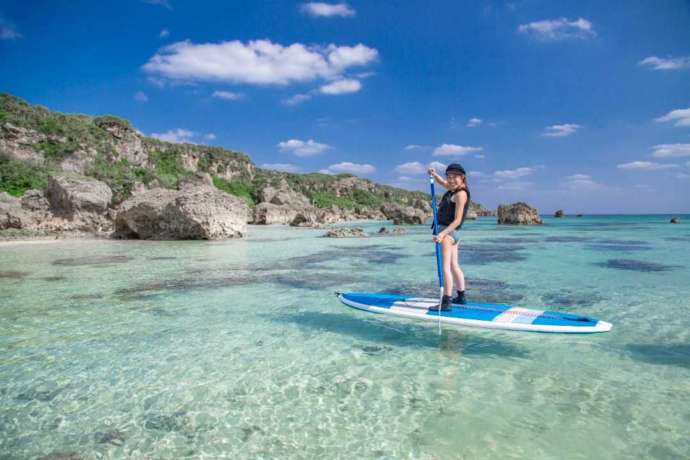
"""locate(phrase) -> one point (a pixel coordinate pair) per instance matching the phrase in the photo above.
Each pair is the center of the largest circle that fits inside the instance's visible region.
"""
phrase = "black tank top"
(446, 210)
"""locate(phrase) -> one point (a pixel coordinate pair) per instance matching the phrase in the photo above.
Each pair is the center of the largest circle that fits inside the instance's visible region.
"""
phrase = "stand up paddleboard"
(485, 315)
(473, 314)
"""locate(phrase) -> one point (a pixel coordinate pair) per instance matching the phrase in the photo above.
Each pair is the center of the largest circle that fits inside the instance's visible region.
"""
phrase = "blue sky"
(583, 106)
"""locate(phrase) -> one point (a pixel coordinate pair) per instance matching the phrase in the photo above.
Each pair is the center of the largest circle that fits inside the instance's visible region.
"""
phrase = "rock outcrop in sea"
(196, 211)
(518, 214)
(558, 213)
(345, 232)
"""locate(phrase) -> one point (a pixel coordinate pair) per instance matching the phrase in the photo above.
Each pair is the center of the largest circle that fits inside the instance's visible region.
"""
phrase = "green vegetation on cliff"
(238, 188)
(16, 177)
(108, 148)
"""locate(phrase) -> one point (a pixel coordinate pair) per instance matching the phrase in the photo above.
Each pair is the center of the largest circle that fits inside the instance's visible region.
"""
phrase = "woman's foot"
(443, 306)
(460, 298)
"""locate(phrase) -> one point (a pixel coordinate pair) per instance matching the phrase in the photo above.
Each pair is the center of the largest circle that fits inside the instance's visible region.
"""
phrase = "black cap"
(455, 167)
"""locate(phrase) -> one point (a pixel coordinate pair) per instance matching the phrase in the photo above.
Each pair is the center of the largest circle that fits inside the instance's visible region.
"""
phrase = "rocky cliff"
(38, 147)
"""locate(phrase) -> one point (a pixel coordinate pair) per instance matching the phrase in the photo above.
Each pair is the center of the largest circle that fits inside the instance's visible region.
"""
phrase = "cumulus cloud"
(412, 167)
(581, 182)
(164, 33)
(416, 147)
(176, 136)
(438, 166)
(303, 148)
(352, 168)
(452, 149)
(671, 150)
(287, 167)
(297, 99)
(341, 87)
(140, 96)
(474, 122)
(559, 29)
(319, 9)
(227, 95)
(514, 173)
(516, 186)
(181, 135)
(258, 62)
(560, 130)
(679, 117)
(163, 3)
(8, 31)
(658, 63)
(646, 166)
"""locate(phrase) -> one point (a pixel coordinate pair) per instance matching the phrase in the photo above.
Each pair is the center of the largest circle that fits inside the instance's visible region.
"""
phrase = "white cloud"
(176, 136)
(405, 179)
(681, 117)
(413, 167)
(559, 29)
(452, 149)
(164, 3)
(320, 9)
(416, 147)
(671, 150)
(258, 62)
(341, 87)
(666, 64)
(287, 167)
(140, 96)
(325, 171)
(560, 130)
(516, 186)
(297, 99)
(180, 135)
(353, 168)
(474, 122)
(164, 33)
(646, 166)
(303, 148)
(581, 182)
(8, 31)
(228, 95)
(438, 166)
(514, 173)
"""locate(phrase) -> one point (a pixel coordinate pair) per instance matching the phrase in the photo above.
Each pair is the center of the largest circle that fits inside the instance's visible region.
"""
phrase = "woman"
(451, 215)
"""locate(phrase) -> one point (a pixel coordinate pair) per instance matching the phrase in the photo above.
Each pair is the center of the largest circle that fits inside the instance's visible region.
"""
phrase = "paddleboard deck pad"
(474, 314)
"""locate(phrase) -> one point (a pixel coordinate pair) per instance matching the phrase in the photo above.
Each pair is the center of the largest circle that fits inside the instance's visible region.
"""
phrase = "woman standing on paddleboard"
(451, 215)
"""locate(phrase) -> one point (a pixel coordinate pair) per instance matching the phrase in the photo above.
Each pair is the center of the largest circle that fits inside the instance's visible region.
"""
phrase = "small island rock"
(518, 214)
(345, 233)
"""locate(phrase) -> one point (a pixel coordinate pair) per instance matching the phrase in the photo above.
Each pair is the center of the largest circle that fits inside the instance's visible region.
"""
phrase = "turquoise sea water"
(239, 349)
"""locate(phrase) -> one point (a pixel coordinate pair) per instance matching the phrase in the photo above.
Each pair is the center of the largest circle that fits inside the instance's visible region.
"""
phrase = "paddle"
(439, 270)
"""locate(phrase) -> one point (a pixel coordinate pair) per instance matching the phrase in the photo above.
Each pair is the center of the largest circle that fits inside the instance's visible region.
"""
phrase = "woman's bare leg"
(458, 275)
(447, 249)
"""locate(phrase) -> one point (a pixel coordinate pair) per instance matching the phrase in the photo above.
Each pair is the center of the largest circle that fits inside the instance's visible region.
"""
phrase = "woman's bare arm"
(441, 181)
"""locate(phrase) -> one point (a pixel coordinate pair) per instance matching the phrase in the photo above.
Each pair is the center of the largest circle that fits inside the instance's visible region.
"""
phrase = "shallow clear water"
(239, 349)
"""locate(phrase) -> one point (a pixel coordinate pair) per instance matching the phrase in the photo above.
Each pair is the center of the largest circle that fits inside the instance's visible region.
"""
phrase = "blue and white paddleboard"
(485, 315)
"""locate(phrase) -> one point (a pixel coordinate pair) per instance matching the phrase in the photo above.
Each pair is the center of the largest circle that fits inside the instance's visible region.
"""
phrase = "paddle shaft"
(439, 269)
